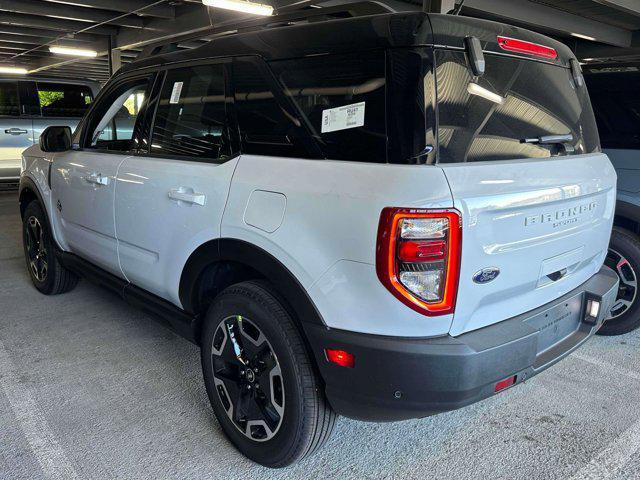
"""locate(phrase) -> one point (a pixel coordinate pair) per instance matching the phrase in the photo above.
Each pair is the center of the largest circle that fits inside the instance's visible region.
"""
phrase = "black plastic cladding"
(352, 34)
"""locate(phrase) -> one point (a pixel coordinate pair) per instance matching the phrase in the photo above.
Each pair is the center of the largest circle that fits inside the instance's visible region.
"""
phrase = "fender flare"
(27, 183)
(245, 253)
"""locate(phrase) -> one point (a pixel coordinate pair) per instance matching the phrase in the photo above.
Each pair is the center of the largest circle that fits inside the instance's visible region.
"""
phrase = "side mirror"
(55, 139)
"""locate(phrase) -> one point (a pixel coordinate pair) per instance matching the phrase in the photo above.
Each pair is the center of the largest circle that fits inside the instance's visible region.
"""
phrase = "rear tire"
(624, 258)
(290, 421)
(46, 272)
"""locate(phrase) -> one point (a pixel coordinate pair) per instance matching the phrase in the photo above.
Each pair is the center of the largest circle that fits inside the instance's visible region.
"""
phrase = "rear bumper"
(401, 378)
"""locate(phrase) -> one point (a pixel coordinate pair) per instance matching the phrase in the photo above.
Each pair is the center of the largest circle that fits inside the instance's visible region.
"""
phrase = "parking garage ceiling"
(597, 30)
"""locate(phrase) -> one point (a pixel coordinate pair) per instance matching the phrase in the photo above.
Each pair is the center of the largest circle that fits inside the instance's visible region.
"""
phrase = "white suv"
(373, 217)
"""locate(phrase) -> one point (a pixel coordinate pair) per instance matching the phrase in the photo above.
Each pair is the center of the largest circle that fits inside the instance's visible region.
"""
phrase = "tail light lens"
(418, 257)
(530, 48)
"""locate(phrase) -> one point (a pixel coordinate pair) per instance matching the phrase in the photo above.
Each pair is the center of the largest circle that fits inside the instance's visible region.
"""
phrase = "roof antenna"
(456, 10)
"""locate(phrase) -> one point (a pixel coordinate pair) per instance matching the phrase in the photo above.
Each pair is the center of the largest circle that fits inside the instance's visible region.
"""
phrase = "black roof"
(358, 33)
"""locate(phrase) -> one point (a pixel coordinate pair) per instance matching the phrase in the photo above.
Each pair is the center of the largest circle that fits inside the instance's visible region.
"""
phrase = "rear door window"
(191, 118)
(63, 100)
(9, 101)
(342, 99)
(490, 117)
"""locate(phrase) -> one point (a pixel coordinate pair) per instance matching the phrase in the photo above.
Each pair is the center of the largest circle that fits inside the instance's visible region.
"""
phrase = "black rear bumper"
(400, 378)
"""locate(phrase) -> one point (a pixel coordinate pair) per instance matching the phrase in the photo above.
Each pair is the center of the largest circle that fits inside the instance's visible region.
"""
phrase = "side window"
(29, 104)
(9, 103)
(343, 100)
(63, 100)
(266, 126)
(191, 116)
(115, 121)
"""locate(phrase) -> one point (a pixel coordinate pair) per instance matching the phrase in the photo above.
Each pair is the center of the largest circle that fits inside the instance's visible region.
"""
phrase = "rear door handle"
(187, 195)
(16, 131)
(97, 179)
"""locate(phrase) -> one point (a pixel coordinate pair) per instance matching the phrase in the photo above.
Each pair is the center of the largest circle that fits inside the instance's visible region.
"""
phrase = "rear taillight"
(530, 48)
(418, 257)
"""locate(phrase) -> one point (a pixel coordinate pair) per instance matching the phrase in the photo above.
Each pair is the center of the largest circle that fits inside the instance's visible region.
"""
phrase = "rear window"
(63, 100)
(489, 118)
(616, 102)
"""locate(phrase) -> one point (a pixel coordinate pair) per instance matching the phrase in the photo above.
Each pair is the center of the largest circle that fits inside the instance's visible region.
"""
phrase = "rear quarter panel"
(326, 232)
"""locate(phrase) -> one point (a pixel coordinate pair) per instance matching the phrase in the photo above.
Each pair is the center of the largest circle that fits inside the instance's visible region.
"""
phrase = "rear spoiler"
(494, 37)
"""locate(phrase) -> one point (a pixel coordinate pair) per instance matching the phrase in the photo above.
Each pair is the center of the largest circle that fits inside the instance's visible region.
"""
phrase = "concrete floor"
(92, 388)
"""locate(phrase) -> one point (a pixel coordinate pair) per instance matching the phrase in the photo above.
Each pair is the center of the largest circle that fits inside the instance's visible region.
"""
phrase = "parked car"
(616, 102)
(383, 217)
(31, 104)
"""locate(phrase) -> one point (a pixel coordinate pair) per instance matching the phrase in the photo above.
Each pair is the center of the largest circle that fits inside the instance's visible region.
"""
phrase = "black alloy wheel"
(248, 378)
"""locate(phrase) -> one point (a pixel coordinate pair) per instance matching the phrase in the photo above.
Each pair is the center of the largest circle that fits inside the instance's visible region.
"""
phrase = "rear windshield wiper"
(564, 140)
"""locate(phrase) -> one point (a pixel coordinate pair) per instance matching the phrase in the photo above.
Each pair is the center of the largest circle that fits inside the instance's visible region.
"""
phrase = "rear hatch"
(537, 209)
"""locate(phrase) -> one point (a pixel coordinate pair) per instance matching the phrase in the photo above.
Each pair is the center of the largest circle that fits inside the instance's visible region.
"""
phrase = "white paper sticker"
(341, 118)
(175, 93)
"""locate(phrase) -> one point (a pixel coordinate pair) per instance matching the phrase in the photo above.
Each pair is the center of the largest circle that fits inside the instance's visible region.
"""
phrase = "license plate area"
(558, 322)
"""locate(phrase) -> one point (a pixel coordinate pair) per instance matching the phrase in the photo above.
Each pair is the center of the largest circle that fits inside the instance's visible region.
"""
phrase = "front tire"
(624, 258)
(46, 272)
(259, 377)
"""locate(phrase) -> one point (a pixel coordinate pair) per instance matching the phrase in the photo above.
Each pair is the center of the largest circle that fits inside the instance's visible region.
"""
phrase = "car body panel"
(529, 219)
(157, 233)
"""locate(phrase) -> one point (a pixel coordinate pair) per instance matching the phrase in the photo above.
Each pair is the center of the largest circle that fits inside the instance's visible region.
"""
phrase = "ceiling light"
(14, 70)
(76, 52)
(241, 6)
(584, 37)
(475, 89)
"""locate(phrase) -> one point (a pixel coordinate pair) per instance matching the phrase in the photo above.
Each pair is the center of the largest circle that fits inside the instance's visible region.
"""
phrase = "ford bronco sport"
(383, 217)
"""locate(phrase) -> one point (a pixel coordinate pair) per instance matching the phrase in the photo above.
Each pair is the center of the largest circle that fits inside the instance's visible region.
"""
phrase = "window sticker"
(175, 93)
(342, 118)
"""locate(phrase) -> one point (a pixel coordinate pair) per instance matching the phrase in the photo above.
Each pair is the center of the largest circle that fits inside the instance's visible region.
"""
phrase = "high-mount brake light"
(530, 48)
(418, 257)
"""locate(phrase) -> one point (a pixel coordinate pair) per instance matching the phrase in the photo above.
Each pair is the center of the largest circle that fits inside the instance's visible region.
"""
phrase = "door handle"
(16, 131)
(97, 179)
(187, 195)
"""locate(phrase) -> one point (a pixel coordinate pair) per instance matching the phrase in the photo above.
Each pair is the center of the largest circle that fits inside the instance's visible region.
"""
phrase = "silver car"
(28, 105)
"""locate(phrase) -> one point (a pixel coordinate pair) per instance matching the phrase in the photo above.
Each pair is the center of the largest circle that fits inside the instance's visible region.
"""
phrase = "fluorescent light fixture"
(584, 37)
(76, 52)
(475, 89)
(241, 6)
(14, 70)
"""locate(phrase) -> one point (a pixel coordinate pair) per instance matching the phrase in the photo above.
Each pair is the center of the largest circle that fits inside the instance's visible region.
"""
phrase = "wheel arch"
(27, 192)
(220, 263)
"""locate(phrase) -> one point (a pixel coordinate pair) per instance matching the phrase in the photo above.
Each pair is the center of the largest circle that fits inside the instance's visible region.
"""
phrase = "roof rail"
(295, 16)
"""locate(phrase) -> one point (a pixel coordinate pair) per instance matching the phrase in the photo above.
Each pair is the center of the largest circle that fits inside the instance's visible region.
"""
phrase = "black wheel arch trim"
(27, 183)
(250, 255)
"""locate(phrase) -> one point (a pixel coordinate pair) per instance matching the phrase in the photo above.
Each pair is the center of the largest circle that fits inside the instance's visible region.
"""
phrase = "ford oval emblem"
(486, 275)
